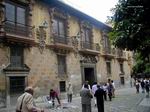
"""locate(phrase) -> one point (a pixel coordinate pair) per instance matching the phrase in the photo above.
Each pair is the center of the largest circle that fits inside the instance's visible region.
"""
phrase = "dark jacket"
(99, 94)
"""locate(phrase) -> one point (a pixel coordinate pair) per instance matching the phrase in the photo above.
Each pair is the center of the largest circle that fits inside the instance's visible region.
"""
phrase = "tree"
(131, 27)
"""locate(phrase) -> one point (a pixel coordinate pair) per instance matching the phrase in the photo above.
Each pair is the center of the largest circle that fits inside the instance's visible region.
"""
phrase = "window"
(121, 68)
(108, 66)
(16, 56)
(17, 85)
(10, 12)
(86, 35)
(86, 38)
(62, 85)
(59, 27)
(106, 42)
(61, 64)
(15, 14)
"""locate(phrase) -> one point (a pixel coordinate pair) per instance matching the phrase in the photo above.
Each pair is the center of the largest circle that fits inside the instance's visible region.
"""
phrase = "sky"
(99, 9)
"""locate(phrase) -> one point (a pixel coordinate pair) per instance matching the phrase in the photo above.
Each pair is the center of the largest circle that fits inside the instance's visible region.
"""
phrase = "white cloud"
(98, 9)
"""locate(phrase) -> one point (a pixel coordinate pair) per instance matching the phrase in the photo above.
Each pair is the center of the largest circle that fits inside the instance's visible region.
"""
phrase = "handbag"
(20, 105)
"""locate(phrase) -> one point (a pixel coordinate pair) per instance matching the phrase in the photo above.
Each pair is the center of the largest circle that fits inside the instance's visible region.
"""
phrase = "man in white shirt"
(113, 91)
(94, 88)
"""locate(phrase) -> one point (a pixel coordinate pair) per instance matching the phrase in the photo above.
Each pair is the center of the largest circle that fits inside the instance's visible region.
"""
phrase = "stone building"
(46, 44)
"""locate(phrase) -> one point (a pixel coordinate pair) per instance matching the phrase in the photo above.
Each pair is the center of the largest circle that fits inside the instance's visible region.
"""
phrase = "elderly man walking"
(86, 97)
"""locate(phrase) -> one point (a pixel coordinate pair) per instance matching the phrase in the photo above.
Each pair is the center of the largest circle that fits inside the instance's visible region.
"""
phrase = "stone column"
(31, 4)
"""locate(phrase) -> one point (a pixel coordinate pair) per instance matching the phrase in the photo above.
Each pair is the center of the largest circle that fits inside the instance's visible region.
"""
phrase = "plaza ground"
(126, 100)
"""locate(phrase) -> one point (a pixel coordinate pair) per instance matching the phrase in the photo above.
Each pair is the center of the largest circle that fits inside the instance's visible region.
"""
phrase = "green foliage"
(142, 65)
(131, 30)
(147, 70)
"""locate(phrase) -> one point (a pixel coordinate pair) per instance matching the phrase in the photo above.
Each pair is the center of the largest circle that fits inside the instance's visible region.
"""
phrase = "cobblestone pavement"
(126, 100)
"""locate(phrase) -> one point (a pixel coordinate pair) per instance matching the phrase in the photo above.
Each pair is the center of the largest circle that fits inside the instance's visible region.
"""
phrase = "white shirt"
(88, 87)
(94, 88)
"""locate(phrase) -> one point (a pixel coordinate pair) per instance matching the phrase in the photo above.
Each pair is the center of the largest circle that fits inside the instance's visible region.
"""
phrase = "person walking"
(94, 88)
(143, 86)
(99, 94)
(147, 85)
(110, 90)
(131, 81)
(105, 88)
(86, 97)
(25, 102)
(69, 92)
(137, 85)
(113, 89)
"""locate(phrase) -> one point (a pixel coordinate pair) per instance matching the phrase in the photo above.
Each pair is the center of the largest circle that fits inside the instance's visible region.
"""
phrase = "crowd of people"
(98, 92)
(144, 84)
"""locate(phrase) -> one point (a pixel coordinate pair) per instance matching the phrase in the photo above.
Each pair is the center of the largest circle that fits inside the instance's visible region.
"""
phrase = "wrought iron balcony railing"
(61, 40)
(17, 28)
(108, 51)
(121, 54)
(90, 46)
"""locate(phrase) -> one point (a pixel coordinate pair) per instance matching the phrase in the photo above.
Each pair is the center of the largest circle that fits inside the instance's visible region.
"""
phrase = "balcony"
(17, 32)
(62, 42)
(89, 48)
(108, 52)
(121, 55)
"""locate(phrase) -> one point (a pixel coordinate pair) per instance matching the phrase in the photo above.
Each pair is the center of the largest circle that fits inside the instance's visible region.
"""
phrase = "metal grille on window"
(108, 65)
(62, 85)
(17, 85)
(16, 56)
(61, 64)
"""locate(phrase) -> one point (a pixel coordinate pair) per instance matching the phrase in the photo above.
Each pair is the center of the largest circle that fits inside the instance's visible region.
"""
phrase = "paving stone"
(126, 100)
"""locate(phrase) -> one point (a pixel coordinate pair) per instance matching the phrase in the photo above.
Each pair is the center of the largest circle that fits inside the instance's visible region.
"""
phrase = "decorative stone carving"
(75, 44)
(2, 12)
(61, 51)
(31, 4)
(2, 17)
(88, 59)
(41, 35)
(97, 47)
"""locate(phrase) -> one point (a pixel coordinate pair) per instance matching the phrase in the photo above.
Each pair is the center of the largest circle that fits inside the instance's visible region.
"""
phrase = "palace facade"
(46, 44)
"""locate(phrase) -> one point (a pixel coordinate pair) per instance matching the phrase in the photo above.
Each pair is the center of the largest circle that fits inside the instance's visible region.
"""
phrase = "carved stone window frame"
(88, 25)
(55, 12)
